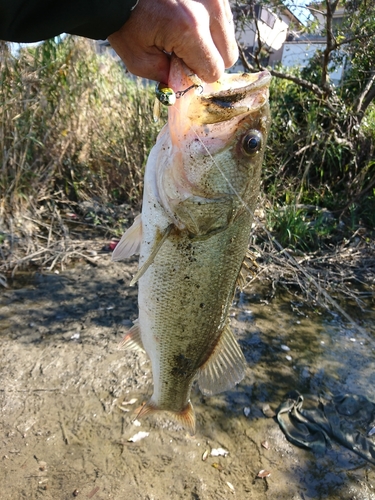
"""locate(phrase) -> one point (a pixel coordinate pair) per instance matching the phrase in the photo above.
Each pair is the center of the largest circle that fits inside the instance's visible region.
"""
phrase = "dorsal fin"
(225, 368)
(132, 339)
(130, 242)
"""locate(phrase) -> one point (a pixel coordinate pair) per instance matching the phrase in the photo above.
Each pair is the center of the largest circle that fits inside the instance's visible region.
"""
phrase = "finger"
(223, 32)
(225, 42)
(225, 6)
(203, 59)
(195, 45)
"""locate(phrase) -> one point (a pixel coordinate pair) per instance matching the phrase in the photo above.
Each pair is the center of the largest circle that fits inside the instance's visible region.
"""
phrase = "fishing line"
(291, 259)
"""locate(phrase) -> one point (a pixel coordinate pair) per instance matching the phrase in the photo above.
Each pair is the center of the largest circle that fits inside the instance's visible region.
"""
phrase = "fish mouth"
(238, 94)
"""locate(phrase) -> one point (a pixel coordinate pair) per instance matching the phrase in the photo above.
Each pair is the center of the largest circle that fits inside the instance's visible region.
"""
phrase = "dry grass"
(72, 123)
(73, 127)
(332, 277)
(74, 130)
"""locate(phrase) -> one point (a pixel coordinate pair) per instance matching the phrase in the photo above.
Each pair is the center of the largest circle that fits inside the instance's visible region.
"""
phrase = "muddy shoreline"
(66, 391)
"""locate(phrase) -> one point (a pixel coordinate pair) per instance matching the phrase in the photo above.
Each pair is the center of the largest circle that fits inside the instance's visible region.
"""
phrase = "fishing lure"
(164, 95)
(167, 96)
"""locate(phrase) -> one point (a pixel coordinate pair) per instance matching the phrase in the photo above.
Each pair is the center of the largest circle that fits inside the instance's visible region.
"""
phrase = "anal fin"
(132, 339)
(225, 368)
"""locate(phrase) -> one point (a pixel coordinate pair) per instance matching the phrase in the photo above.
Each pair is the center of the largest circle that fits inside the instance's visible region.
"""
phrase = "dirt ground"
(67, 397)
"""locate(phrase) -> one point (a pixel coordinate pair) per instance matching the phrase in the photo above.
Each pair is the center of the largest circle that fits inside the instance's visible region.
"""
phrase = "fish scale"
(193, 298)
(201, 185)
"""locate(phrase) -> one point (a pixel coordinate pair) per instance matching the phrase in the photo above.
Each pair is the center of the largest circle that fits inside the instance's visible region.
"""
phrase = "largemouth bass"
(201, 185)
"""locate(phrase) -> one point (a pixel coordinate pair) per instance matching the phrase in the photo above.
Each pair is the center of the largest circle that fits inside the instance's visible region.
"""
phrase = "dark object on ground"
(342, 419)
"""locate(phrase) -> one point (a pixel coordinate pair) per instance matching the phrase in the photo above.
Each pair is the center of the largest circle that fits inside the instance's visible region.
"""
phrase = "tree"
(327, 119)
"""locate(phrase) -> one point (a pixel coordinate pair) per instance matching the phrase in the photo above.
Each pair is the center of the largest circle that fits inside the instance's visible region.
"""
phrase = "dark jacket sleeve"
(35, 20)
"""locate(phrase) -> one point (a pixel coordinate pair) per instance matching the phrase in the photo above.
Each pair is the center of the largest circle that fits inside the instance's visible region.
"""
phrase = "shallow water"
(65, 427)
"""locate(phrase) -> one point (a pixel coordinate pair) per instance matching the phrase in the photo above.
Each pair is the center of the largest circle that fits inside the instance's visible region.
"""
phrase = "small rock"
(137, 437)
(264, 473)
(230, 486)
(130, 402)
(246, 411)
(219, 452)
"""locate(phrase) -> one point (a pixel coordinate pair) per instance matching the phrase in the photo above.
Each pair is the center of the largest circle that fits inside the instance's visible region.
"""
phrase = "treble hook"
(181, 93)
(166, 96)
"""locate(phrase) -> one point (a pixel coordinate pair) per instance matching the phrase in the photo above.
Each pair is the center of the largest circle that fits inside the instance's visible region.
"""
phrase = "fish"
(201, 185)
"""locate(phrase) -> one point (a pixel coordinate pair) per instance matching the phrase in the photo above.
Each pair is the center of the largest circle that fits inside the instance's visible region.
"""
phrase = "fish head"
(235, 94)
(216, 135)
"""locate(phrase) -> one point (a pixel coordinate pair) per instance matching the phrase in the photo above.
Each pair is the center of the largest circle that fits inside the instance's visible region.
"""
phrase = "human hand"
(200, 32)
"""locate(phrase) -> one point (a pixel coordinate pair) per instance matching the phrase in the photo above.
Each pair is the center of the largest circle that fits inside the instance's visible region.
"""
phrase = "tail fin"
(185, 417)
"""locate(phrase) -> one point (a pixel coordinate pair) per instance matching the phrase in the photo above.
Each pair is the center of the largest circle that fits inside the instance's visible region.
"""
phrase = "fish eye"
(252, 142)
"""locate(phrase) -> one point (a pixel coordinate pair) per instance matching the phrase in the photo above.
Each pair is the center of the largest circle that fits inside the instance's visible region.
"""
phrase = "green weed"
(300, 228)
(290, 227)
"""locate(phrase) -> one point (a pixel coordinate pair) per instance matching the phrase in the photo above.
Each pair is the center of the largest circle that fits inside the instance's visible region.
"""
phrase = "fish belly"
(184, 299)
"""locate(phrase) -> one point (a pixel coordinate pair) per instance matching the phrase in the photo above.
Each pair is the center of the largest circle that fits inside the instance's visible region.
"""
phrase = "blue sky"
(298, 8)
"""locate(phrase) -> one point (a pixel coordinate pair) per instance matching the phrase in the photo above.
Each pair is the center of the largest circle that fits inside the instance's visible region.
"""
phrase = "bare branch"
(317, 11)
(331, 44)
(367, 95)
(260, 44)
(299, 81)
(356, 38)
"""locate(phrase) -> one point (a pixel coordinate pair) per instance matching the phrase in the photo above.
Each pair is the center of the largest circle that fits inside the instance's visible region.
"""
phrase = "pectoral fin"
(130, 242)
(157, 245)
(225, 368)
